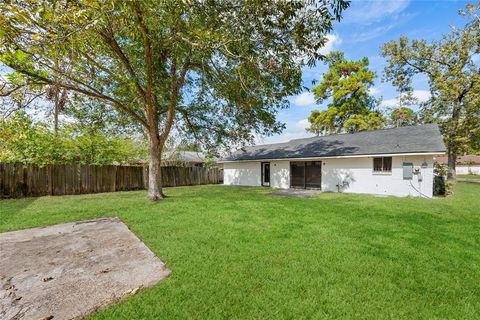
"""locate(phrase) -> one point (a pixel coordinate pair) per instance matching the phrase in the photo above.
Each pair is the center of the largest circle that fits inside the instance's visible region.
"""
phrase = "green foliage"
(220, 70)
(440, 185)
(403, 116)
(346, 85)
(91, 116)
(454, 79)
(22, 140)
(362, 122)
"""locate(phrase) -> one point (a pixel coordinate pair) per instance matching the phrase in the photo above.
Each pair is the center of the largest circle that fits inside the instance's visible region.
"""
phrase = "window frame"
(383, 167)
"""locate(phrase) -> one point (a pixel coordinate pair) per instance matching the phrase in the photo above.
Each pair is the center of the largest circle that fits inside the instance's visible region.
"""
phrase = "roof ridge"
(419, 138)
(348, 133)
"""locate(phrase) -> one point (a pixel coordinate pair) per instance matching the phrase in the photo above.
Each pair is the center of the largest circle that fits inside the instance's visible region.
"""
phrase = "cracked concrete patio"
(70, 270)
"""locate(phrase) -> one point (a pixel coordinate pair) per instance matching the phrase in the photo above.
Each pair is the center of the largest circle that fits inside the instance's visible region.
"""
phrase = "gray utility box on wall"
(407, 171)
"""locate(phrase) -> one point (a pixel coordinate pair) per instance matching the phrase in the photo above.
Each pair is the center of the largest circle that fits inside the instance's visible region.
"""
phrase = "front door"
(266, 174)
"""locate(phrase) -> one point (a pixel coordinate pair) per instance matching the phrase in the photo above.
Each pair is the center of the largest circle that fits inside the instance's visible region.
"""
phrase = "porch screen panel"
(313, 174)
(297, 174)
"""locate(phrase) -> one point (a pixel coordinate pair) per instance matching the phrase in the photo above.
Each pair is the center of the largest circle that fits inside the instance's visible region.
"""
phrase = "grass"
(240, 253)
(468, 176)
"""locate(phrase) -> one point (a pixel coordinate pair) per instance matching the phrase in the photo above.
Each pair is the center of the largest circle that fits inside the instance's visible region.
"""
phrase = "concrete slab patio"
(299, 193)
(69, 270)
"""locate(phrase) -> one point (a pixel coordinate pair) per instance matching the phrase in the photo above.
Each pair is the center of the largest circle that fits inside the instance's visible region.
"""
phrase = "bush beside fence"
(19, 180)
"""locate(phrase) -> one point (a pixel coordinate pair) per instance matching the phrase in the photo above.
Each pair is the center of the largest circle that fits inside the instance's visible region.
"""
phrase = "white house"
(396, 161)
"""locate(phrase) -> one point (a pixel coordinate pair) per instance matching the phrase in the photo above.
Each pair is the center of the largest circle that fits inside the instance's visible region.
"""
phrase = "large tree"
(400, 114)
(403, 116)
(218, 70)
(454, 79)
(346, 87)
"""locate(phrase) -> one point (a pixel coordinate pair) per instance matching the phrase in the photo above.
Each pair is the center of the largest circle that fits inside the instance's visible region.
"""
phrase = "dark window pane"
(297, 170)
(387, 164)
(377, 164)
(313, 174)
(267, 172)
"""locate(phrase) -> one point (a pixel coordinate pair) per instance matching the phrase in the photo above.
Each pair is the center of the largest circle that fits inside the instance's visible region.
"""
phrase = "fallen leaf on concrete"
(132, 292)
(105, 270)
(8, 286)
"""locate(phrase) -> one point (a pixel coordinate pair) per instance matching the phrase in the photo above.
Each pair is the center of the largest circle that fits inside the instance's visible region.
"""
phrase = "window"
(382, 164)
(306, 174)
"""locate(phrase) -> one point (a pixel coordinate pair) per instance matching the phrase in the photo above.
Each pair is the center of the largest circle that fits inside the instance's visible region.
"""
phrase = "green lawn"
(240, 253)
(468, 176)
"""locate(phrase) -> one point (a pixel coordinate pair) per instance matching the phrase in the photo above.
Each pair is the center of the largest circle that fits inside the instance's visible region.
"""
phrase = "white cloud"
(389, 103)
(373, 91)
(372, 33)
(333, 42)
(302, 124)
(367, 12)
(421, 95)
(304, 99)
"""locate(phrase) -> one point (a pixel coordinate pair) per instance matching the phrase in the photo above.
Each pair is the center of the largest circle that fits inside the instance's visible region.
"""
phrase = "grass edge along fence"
(19, 180)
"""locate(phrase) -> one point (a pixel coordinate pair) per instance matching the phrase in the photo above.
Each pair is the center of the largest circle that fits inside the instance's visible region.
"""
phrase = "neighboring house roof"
(461, 160)
(184, 156)
(414, 139)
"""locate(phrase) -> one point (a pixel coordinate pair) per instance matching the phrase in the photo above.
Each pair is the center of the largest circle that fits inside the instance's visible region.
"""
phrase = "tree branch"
(95, 94)
(150, 98)
(177, 84)
(8, 92)
(110, 40)
(189, 123)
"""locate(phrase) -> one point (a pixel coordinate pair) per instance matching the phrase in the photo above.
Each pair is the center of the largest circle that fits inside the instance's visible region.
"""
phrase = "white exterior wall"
(360, 178)
(242, 173)
(280, 174)
(466, 169)
(357, 173)
(249, 173)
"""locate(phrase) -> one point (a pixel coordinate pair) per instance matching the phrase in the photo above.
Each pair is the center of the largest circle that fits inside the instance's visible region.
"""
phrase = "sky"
(365, 27)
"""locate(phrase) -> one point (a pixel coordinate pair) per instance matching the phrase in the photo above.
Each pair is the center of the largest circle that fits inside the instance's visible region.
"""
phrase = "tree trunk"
(55, 114)
(452, 160)
(155, 171)
(452, 143)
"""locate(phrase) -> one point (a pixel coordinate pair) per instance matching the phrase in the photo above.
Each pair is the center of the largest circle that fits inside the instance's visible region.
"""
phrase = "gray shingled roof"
(185, 156)
(413, 139)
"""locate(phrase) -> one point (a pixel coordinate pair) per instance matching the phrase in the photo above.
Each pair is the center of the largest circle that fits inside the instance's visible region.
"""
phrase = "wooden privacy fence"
(19, 180)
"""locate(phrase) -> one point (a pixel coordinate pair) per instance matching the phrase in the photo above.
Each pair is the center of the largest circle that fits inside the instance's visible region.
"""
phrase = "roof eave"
(432, 153)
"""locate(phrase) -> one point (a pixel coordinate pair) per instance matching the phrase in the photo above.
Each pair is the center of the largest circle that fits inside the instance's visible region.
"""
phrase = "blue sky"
(365, 26)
